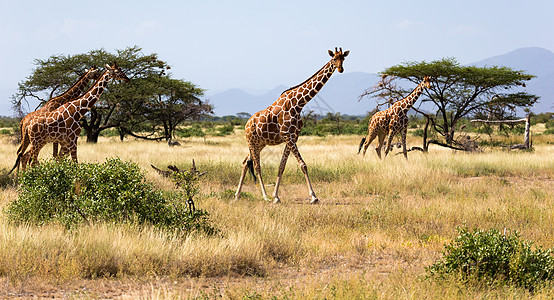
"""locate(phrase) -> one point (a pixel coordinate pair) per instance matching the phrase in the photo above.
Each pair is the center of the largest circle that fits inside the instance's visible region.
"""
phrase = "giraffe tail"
(250, 164)
(20, 151)
(361, 144)
(16, 163)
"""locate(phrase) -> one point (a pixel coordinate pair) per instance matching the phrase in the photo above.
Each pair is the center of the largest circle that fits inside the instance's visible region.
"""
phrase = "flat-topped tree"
(456, 91)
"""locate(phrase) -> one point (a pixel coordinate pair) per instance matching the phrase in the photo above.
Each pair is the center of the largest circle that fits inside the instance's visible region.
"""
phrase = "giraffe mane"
(73, 85)
(300, 84)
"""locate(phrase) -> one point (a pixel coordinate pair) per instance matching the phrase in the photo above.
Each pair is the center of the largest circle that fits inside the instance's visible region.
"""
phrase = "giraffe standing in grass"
(62, 124)
(281, 123)
(73, 92)
(392, 121)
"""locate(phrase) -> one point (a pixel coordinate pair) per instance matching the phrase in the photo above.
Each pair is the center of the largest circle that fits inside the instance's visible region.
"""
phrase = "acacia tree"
(121, 106)
(169, 102)
(456, 91)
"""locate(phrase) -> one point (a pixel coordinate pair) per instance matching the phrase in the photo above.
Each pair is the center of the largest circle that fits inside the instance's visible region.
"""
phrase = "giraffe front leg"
(284, 159)
(242, 176)
(304, 168)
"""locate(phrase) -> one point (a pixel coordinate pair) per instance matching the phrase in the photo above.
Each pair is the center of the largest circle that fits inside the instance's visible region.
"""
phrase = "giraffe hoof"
(276, 201)
(314, 200)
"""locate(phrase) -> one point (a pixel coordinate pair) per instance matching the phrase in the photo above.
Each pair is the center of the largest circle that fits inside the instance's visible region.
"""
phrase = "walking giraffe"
(62, 124)
(73, 92)
(392, 121)
(281, 123)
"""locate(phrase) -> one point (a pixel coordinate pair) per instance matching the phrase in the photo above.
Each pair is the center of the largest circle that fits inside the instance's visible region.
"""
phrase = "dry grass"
(379, 224)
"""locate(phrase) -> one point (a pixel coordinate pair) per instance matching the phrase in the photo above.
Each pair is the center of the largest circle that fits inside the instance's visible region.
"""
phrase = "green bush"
(194, 131)
(225, 130)
(491, 257)
(548, 131)
(115, 191)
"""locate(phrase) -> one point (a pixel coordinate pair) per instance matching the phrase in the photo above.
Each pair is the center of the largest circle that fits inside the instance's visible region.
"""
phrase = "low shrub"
(492, 257)
(114, 192)
(194, 131)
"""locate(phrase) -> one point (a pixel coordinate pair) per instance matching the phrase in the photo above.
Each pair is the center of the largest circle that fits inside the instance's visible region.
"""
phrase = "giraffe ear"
(108, 66)
(331, 53)
(346, 53)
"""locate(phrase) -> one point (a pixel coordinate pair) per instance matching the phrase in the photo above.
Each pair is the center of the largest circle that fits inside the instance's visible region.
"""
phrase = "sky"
(258, 45)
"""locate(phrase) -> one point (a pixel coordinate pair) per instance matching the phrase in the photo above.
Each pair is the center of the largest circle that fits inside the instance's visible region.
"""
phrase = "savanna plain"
(378, 225)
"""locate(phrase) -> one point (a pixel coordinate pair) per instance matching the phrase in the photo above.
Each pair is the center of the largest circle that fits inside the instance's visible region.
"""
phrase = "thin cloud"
(147, 28)
(408, 25)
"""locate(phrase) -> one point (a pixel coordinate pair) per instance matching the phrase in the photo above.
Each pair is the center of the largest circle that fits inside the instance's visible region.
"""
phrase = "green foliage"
(194, 131)
(151, 103)
(225, 130)
(491, 257)
(5, 131)
(548, 131)
(115, 191)
(458, 91)
(8, 122)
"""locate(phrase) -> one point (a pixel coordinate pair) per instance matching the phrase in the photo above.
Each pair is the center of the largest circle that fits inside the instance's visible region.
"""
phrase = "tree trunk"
(527, 139)
(92, 136)
(425, 144)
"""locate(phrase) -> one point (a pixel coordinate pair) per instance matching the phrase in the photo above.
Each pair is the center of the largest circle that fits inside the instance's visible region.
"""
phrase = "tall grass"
(379, 224)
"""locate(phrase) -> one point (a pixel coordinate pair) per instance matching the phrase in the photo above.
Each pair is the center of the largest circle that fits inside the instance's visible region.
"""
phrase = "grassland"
(379, 224)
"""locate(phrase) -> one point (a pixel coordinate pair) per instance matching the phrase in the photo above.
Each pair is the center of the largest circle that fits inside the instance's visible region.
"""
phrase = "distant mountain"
(341, 92)
(535, 61)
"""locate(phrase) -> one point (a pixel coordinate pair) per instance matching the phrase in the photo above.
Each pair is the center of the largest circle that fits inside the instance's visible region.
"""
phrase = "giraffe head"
(93, 73)
(338, 57)
(426, 82)
(116, 73)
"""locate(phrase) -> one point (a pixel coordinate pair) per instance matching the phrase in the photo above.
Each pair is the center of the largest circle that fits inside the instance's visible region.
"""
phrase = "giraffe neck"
(84, 103)
(407, 103)
(307, 90)
(73, 92)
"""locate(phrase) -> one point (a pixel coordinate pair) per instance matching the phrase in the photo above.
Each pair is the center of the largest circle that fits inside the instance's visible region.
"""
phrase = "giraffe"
(62, 124)
(73, 92)
(392, 121)
(281, 123)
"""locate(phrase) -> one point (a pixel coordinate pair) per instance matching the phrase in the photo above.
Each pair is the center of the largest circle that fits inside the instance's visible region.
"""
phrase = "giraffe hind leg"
(243, 174)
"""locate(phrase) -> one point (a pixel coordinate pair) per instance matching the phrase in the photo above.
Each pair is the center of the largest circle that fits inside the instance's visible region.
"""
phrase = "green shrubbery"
(491, 257)
(114, 191)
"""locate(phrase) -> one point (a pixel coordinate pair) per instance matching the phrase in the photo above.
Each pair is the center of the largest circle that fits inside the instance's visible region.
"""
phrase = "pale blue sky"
(258, 45)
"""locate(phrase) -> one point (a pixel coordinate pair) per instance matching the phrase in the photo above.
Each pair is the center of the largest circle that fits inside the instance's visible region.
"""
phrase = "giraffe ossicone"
(281, 122)
(392, 121)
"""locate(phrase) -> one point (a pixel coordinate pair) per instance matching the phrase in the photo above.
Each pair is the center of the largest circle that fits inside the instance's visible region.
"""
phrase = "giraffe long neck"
(73, 92)
(84, 103)
(307, 90)
(411, 99)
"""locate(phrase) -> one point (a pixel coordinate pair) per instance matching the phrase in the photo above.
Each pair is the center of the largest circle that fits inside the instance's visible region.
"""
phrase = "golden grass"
(379, 224)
